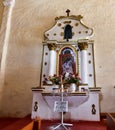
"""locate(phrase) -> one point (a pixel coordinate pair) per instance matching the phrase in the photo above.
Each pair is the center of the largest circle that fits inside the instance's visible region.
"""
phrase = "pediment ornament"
(68, 28)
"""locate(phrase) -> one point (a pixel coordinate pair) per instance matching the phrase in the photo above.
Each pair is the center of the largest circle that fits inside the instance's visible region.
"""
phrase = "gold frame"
(57, 57)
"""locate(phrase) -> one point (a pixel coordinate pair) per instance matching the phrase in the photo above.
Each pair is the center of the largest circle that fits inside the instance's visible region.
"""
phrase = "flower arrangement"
(73, 78)
(68, 78)
(55, 79)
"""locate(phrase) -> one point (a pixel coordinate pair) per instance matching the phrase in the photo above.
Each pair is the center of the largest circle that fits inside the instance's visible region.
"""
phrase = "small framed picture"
(83, 88)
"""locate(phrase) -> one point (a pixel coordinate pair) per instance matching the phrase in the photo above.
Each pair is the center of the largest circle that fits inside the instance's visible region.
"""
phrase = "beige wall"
(24, 51)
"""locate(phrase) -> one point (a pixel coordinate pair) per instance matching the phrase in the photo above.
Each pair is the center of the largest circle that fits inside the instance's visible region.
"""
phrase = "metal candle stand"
(62, 120)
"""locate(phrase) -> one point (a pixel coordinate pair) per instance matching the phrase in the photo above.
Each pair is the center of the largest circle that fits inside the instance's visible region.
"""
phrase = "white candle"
(62, 90)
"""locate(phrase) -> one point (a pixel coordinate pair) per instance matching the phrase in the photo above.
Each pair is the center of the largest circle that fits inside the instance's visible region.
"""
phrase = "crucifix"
(67, 11)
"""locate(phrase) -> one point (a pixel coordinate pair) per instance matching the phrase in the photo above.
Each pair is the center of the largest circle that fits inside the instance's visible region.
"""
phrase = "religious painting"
(67, 61)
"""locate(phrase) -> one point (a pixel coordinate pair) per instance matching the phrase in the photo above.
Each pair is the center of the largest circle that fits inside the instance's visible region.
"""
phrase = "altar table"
(82, 106)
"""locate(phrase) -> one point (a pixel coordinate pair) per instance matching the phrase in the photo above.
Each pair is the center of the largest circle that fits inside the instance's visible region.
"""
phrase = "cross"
(67, 11)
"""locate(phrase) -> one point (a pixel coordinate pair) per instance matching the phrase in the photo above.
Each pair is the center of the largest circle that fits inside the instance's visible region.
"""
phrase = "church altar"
(67, 49)
(82, 106)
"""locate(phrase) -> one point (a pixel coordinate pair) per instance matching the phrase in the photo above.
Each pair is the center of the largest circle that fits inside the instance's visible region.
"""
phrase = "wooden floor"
(18, 124)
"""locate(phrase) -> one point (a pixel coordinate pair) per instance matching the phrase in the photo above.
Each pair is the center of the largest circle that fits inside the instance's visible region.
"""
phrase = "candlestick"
(62, 90)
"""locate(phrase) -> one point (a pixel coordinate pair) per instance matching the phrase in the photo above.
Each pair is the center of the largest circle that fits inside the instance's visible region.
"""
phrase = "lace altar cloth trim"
(73, 101)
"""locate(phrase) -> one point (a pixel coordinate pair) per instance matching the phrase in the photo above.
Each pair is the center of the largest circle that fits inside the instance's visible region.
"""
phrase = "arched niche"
(68, 32)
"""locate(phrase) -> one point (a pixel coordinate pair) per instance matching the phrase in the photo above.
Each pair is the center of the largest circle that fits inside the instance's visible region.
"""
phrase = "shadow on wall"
(16, 100)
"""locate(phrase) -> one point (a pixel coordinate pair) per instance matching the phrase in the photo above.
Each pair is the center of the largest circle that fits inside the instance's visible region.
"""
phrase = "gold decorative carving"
(79, 32)
(54, 34)
(45, 37)
(76, 24)
(62, 34)
(78, 17)
(73, 33)
(67, 22)
(82, 45)
(59, 24)
(52, 46)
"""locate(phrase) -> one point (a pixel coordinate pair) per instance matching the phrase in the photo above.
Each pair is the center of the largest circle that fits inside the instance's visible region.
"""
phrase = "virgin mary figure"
(67, 62)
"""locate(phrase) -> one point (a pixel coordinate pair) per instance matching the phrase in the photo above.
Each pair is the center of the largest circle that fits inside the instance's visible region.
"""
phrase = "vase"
(56, 85)
(72, 87)
(56, 88)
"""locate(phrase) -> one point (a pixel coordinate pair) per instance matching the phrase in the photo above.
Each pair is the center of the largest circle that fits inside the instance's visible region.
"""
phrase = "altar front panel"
(81, 107)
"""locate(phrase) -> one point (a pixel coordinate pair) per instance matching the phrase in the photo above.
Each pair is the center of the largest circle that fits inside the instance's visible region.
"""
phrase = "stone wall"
(21, 60)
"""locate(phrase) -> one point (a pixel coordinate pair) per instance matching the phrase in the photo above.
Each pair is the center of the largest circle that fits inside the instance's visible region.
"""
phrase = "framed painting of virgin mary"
(67, 61)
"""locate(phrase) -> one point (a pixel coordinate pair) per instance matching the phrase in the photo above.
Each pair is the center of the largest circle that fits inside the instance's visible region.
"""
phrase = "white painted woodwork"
(80, 107)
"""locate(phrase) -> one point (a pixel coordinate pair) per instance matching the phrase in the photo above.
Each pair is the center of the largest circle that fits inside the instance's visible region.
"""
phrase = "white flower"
(66, 75)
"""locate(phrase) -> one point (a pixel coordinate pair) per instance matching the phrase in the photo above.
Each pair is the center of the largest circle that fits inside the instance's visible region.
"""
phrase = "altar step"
(18, 124)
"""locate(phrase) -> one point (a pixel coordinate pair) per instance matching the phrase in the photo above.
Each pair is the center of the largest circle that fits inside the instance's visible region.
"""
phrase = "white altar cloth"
(73, 101)
(79, 106)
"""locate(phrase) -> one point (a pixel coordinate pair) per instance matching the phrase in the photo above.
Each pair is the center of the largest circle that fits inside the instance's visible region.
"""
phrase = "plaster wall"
(22, 67)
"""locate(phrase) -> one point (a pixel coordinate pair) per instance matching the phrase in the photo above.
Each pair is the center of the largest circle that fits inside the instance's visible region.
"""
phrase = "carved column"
(84, 69)
(52, 61)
